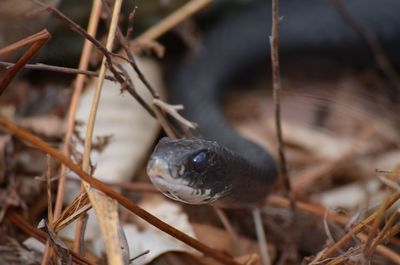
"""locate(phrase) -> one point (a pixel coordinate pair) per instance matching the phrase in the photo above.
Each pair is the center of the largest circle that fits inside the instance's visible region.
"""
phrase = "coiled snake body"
(223, 167)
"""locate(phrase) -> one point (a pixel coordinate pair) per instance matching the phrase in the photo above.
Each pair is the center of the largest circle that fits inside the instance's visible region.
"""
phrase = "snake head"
(192, 170)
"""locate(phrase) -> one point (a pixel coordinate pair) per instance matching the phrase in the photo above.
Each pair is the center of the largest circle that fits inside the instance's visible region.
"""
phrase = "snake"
(220, 166)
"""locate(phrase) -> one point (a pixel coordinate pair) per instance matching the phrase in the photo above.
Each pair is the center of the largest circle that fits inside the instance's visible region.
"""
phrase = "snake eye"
(199, 161)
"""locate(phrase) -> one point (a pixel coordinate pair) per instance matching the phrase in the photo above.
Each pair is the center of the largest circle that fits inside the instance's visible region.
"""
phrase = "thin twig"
(374, 228)
(48, 253)
(173, 111)
(276, 84)
(21, 43)
(40, 235)
(383, 233)
(168, 129)
(48, 186)
(125, 46)
(107, 53)
(131, 16)
(373, 43)
(138, 256)
(129, 186)
(262, 240)
(238, 249)
(58, 69)
(131, 90)
(390, 183)
(38, 42)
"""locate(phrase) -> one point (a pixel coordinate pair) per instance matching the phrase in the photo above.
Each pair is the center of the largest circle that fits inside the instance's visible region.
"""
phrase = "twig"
(129, 185)
(48, 250)
(40, 235)
(327, 230)
(276, 84)
(58, 69)
(124, 201)
(81, 237)
(38, 41)
(130, 88)
(169, 130)
(75, 27)
(377, 51)
(22, 43)
(138, 256)
(130, 23)
(125, 46)
(48, 186)
(262, 241)
(390, 183)
(231, 231)
(383, 234)
(374, 228)
(172, 20)
(173, 111)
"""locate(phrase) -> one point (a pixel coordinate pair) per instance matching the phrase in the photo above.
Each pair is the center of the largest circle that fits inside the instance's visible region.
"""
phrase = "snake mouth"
(177, 188)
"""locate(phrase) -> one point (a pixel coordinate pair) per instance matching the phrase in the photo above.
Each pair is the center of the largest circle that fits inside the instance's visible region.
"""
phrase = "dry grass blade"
(79, 206)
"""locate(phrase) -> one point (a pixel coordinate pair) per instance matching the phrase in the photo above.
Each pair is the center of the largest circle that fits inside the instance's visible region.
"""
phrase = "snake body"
(222, 166)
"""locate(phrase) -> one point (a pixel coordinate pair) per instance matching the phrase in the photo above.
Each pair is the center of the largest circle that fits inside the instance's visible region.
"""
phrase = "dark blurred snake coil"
(220, 166)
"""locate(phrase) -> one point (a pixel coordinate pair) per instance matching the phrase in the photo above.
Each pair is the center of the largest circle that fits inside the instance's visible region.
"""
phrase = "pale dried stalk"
(106, 209)
(172, 20)
(80, 80)
(79, 84)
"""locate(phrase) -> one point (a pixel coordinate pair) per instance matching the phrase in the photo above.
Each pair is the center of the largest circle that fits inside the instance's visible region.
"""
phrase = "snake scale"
(221, 166)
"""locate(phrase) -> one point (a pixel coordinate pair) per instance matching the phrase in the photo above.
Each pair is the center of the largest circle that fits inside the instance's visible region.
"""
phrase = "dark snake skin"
(241, 172)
